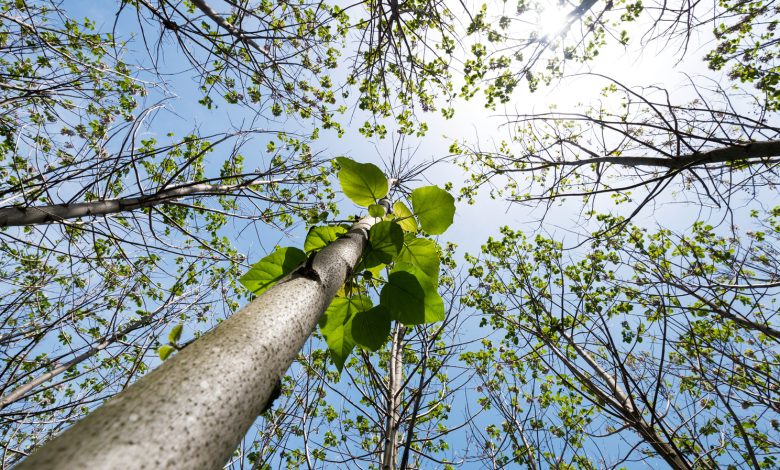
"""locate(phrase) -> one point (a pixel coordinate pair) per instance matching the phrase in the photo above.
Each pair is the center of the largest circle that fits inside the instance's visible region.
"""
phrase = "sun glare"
(552, 20)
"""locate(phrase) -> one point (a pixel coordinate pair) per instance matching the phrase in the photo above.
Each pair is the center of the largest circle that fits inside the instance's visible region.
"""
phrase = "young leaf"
(371, 328)
(165, 351)
(336, 326)
(405, 218)
(270, 269)
(363, 183)
(434, 207)
(319, 237)
(411, 297)
(175, 334)
(386, 240)
(376, 210)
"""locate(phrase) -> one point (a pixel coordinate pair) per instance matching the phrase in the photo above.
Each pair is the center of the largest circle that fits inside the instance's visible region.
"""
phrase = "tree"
(665, 343)
(710, 146)
(650, 137)
(225, 379)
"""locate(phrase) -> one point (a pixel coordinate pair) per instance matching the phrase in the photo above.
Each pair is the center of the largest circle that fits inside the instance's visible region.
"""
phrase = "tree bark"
(193, 410)
(395, 381)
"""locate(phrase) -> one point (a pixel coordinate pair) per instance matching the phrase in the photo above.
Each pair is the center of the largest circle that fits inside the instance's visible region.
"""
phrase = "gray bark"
(395, 381)
(193, 410)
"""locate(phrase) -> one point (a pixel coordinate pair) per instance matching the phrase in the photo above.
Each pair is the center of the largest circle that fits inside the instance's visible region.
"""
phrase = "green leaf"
(165, 351)
(371, 328)
(405, 217)
(336, 326)
(363, 183)
(376, 210)
(421, 252)
(175, 334)
(434, 207)
(386, 240)
(410, 296)
(273, 267)
(320, 237)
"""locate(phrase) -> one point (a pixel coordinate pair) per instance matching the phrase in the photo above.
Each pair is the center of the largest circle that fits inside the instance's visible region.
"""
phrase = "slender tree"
(259, 343)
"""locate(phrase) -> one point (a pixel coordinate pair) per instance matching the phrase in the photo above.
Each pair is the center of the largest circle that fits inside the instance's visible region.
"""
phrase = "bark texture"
(192, 411)
(394, 387)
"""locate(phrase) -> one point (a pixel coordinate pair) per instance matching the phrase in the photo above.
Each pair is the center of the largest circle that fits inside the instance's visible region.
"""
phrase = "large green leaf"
(434, 207)
(319, 237)
(422, 253)
(336, 325)
(386, 240)
(405, 217)
(410, 296)
(273, 267)
(363, 183)
(371, 328)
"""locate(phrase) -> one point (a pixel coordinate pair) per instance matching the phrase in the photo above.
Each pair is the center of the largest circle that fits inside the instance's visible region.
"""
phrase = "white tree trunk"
(395, 381)
(193, 410)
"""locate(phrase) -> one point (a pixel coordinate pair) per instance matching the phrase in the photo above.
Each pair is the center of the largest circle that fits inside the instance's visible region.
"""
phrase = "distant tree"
(714, 138)
(644, 346)
(539, 42)
(281, 57)
(632, 343)
(634, 146)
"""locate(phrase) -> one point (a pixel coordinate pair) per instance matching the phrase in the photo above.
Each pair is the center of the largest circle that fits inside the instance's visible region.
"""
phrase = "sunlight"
(552, 20)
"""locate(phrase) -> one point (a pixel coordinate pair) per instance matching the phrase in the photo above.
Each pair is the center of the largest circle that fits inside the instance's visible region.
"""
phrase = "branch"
(731, 154)
(19, 215)
(235, 32)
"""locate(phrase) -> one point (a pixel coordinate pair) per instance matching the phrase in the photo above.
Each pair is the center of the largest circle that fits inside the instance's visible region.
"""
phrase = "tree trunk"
(621, 402)
(395, 381)
(193, 410)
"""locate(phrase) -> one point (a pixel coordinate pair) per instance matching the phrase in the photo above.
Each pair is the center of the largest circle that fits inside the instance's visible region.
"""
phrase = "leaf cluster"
(400, 264)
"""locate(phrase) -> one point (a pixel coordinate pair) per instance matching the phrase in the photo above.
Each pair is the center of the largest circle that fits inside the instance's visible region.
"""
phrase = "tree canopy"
(162, 162)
